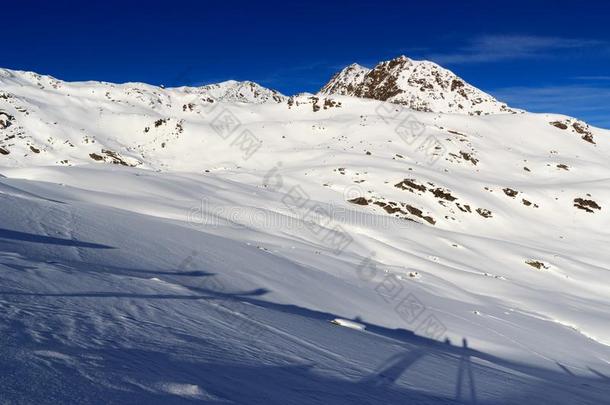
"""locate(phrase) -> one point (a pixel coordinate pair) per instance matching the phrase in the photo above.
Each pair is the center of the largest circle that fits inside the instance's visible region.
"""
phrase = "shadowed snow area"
(100, 300)
(227, 244)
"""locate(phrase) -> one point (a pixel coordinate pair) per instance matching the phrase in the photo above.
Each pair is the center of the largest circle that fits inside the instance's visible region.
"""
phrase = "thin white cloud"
(593, 78)
(494, 48)
(592, 104)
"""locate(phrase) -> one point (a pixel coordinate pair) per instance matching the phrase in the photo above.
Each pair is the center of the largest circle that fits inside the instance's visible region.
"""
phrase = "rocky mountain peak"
(419, 85)
(344, 82)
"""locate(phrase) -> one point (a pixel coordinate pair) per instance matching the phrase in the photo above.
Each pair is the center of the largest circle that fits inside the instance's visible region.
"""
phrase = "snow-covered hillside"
(418, 85)
(210, 244)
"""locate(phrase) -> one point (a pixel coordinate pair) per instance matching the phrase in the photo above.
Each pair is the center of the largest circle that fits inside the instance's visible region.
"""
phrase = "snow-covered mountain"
(418, 85)
(174, 245)
(233, 91)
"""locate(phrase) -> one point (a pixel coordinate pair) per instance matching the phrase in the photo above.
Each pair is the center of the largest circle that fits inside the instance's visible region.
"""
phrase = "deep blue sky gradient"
(542, 56)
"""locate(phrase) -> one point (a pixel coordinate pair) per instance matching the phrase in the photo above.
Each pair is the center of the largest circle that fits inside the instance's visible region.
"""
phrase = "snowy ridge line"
(422, 227)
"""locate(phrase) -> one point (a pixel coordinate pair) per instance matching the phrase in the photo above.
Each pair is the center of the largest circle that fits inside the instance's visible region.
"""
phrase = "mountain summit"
(201, 230)
(419, 85)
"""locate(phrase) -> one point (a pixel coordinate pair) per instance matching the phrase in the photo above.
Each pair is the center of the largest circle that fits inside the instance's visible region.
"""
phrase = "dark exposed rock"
(484, 212)
(330, 103)
(510, 192)
(5, 120)
(444, 194)
(582, 130)
(418, 85)
(110, 157)
(537, 264)
(586, 205)
(359, 201)
(456, 84)
(409, 184)
(419, 213)
(579, 127)
(559, 124)
(465, 208)
(391, 209)
(469, 157)
(116, 158)
(315, 105)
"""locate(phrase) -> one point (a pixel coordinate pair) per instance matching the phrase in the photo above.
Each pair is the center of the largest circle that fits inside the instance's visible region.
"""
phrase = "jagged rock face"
(419, 85)
(5, 120)
(347, 81)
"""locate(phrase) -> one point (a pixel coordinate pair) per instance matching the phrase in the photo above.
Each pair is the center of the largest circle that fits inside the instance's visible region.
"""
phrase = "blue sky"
(541, 56)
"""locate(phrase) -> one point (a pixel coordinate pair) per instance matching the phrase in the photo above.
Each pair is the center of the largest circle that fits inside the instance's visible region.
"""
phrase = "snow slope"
(418, 85)
(194, 245)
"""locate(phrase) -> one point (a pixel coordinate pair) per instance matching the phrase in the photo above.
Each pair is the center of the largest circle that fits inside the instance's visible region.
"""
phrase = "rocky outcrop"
(418, 85)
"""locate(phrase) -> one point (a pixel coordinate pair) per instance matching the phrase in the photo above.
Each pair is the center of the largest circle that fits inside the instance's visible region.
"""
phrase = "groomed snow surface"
(359, 254)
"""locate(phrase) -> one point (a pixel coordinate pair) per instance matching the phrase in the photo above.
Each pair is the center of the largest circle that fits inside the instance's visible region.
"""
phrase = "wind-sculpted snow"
(123, 285)
(196, 244)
